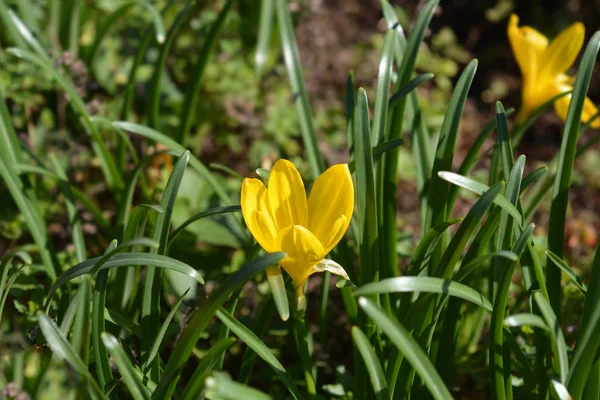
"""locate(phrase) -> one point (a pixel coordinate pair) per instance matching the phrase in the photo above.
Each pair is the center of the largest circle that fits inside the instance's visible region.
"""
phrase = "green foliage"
(121, 122)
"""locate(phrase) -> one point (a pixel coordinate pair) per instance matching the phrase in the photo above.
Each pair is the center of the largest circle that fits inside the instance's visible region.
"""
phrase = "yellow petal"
(255, 209)
(287, 196)
(562, 51)
(330, 205)
(589, 109)
(303, 250)
(528, 46)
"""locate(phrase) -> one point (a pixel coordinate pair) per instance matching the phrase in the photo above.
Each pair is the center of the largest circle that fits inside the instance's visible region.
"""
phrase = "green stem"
(301, 337)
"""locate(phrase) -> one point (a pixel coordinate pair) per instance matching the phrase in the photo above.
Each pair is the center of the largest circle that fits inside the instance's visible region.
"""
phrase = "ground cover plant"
(182, 218)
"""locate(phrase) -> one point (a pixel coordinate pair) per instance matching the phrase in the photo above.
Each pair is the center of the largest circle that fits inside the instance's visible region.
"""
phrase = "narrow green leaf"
(365, 191)
(567, 270)
(261, 349)
(220, 386)
(263, 40)
(408, 87)
(562, 182)
(409, 347)
(384, 77)
(479, 188)
(588, 340)
(372, 362)
(120, 249)
(422, 254)
(203, 214)
(188, 113)
(437, 200)
(61, 347)
(425, 284)
(459, 240)
(495, 347)
(158, 340)
(195, 163)
(294, 70)
(137, 390)
(107, 162)
(105, 25)
(196, 382)
(124, 260)
(517, 320)
(200, 319)
(561, 358)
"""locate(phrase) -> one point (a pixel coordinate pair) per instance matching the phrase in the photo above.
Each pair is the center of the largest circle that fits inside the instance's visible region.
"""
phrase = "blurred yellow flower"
(543, 65)
(281, 219)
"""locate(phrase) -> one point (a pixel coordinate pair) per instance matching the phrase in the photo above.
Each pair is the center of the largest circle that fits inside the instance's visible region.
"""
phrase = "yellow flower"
(543, 65)
(282, 219)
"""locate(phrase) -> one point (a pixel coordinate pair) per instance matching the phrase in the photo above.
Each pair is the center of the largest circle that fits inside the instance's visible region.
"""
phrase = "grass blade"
(248, 337)
(526, 319)
(61, 347)
(161, 333)
(107, 162)
(384, 77)
(186, 118)
(408, 346)
(561, 358)
(134, 384)
(479, 188)
(200, 319)
(373, 364)
(568, 271)
(203, 214)
(408, 88)
(220, 386)
(437, 200)
(294, 70)
(265, 26)
(425, 284)
(196, 382)
(124, 260)
(562, 182)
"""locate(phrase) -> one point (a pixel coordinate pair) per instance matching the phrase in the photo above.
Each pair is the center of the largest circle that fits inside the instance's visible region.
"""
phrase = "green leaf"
(365, 191)
(294, 71)
(158, 339)
(107, 162)
(495, 346)
(61, 347)
(479, 188)
(437, 200)
(105, 25)
(202, 316)
(588, 340)
(566, 160)
(384, 77)
(220, 386)
(196, 382)
(134, 384)
(263, 40)
(203, 214)
(261, 349)
(124, 260)
(159, 65)
(408, 88)
(527, 319)
(422, 254)
(372, 362)
(567, 270)
(425, 284)
(188, 111)
(561, 359)
(120, 249)
(465, 230)
(409, 347)
(195, 163)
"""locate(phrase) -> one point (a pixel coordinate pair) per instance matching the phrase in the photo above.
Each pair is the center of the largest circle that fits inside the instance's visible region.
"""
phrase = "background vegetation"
(126, 128)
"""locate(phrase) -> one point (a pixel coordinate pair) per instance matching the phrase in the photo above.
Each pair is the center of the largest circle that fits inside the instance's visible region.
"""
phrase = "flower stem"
(301, 337)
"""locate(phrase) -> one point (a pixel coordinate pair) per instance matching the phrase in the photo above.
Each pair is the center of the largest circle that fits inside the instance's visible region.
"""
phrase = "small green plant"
(153, 288)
